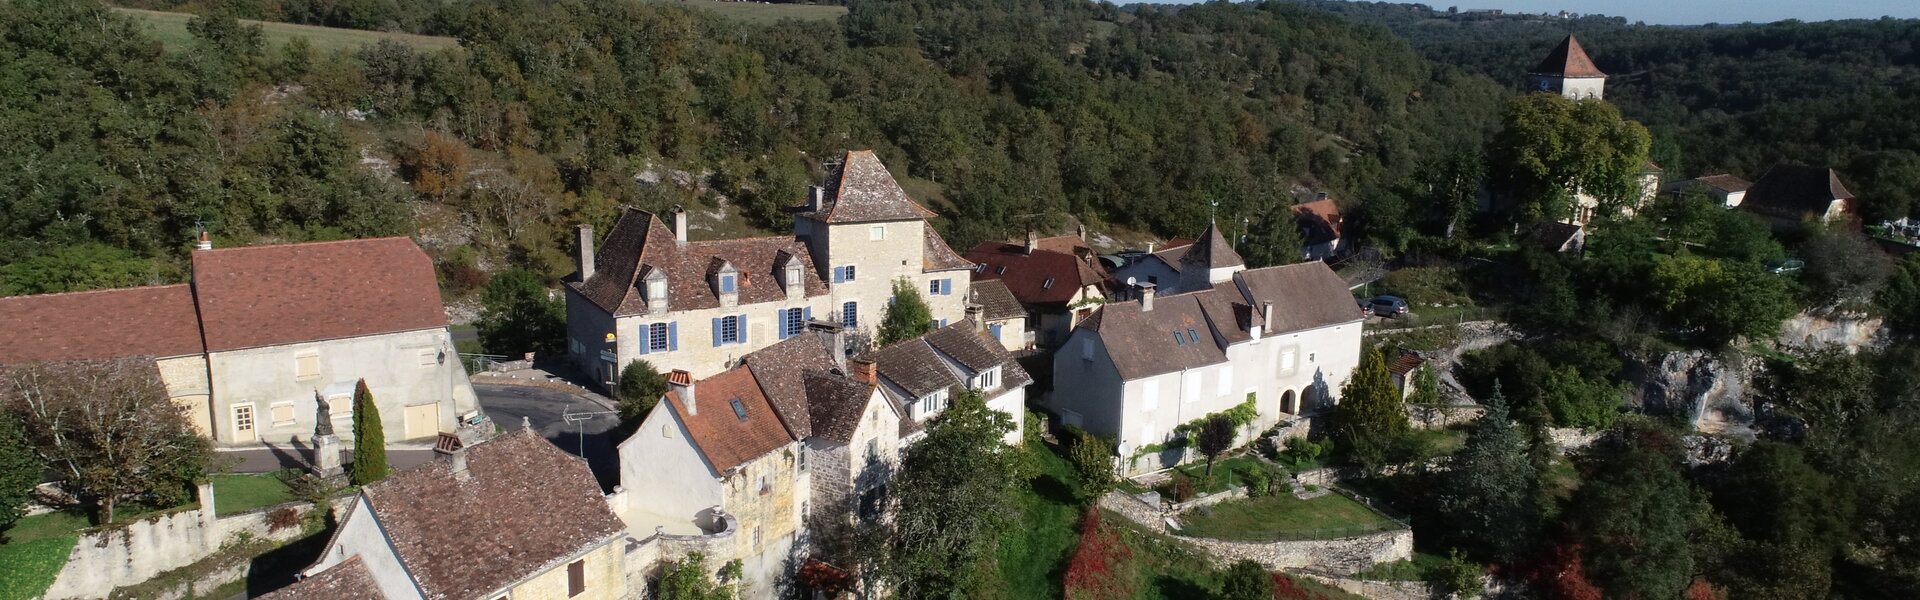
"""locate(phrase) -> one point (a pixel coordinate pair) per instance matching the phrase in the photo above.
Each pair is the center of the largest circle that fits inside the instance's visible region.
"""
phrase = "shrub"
(1427, 285)
(282, 518)
(1181, 486)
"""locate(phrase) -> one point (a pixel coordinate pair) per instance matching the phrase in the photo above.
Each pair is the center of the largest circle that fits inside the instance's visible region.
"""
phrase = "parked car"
(1791, 265)
(1386, 306)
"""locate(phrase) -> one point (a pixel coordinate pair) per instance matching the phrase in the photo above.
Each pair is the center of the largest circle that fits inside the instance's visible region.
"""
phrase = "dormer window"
(793, 278)
(929, 405)
(729, 284)
(987, 380)
(655, 289)
(726, 282)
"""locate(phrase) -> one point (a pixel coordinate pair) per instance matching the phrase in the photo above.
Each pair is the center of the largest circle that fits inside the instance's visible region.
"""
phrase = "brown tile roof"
(778, 367)
(1568, 60)
(1725, 182)
(1141, 343)
(1552, 237)
(154, 321)
(1064, 244)
(965, 345)
(1212, 251)
(1026, 275)
(935, 361)
(1794, 191)
(348, 580)
(836, 403)
(265, 295)
(996, 301)
(1233, 318)
(639, 241)
(1405, 364)
(1322, 220)
(1304, 296)
(862, 190)
(718, 432)
(524, 507)
(938, 256)
(914, 366)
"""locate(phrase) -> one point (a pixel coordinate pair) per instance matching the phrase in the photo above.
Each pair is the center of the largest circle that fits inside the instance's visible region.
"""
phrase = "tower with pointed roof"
(1569, 72)
(1209, 261)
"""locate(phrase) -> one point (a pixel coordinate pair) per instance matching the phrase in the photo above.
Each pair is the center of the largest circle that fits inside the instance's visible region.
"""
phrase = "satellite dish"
(1131, 281)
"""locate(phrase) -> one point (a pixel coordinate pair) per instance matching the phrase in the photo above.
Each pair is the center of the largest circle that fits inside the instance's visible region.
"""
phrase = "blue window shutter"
(673, 336)
(716, 331)
(995, 329)
(780, 322)
(646, 339)
(946, 287)
(742, 330)
(807, 315)
(839, 275)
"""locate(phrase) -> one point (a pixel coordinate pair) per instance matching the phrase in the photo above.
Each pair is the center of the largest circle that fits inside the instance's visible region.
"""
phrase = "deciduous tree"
(907, 316)
(1216, 437)
(1550, 147)
(956, 495)
(519, 316)
(640, 389)
(1092, 458)
(20, 470)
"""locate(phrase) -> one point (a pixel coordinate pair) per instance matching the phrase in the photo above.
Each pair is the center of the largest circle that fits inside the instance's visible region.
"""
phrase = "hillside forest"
(1142, 121)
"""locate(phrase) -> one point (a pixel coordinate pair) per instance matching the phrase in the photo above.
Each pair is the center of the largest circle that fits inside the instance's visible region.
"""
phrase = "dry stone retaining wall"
(1380, 590)
(1342, 556)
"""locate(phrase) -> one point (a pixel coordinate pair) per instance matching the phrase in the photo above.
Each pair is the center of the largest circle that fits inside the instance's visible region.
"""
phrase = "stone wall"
(1569, 439)
(1341, 556)
(1446, 415)
(1380, 590)
(1143, 509)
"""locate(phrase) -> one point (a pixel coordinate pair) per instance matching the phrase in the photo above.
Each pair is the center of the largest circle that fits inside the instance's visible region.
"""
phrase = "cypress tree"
(1371, 418)
(369, 440)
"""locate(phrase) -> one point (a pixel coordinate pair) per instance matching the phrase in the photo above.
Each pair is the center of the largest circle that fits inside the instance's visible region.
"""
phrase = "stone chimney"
(679, 224)
(584, 235)
(815, 196)
(681, 384)
(449, 445)
(206, 242)
(1082, 231)
(1149, 247)
(1033, 241)
(1146, 296)
(862, 370)
(978, 314)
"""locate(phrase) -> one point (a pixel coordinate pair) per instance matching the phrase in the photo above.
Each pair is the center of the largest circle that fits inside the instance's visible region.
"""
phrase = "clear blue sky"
(1691, 12)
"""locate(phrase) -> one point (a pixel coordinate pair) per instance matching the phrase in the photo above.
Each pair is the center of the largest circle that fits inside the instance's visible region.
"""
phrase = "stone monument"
(326, 445)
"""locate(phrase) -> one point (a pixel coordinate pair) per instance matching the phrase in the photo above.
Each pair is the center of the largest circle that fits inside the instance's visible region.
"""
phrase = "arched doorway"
(1289, 404)
(1310, 399)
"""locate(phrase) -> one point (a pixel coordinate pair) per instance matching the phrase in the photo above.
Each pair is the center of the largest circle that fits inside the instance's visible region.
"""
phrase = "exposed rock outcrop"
(1811, 332)
(1709, 390)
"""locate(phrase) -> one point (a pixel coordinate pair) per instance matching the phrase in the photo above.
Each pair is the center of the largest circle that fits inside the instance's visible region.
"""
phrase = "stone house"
(512, 517)
(1788, 195)
(923, 374)
(260, 331)
(1051, 277)
(1283, 338)
(1183, 268)
(1005, 317)
(1568, 71)
(1321, 226)
(1728, 189)
(650, 293)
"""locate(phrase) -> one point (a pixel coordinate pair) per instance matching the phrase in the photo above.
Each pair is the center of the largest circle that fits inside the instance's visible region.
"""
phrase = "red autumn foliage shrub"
(1285, 588)
(1700, 590)
(1102, 565)
(1562, 575)
(823, 578)
(282, 518)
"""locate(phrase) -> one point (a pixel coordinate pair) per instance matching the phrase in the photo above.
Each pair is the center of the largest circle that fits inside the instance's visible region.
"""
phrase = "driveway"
(592, 436)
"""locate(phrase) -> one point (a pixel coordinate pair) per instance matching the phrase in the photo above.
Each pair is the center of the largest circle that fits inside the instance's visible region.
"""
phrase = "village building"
(1789, 195)
(1054, 278)
(1729, 190)
(260, 332)
(1568, 71)
(1282, 338)
(511, 517)
(1321, 228)
(650, 293)
(1005, 317)
(923, 374)
(1183, 267)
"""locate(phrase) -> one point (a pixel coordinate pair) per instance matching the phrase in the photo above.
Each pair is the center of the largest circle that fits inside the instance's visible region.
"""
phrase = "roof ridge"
(310, 243)
(98, 291)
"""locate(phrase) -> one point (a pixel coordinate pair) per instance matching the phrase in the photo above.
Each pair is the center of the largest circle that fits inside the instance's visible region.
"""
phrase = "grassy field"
(35, 549)
(171, 29)
(759, 13)
(1284, 517)
(1423, 567)
(237, 493)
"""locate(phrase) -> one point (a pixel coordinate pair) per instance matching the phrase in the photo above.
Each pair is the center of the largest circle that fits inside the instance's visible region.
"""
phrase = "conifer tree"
(1486, 498)
(907, 317)
(369, 440)
(1371, 418)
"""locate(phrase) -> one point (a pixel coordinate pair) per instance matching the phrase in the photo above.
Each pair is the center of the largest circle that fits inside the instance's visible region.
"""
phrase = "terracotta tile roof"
(862, 190)
(1725, 182)
(1794, 191)
(914, 366)
(265, 295)
(155, 321)
(717, 430)
(1405, 364)
(837, 404)
(1064, 244)
(1142, 344)
(938, 256)
(640, 242)
(1027, 275)
(996, 301)
(778, 368)
(1304, 296)
(524, 508)
(1212, 251)
(1568, 60)
(348, 580)
(1322, 220)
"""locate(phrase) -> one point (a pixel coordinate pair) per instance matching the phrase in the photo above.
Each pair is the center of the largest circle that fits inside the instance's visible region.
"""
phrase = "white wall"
(665, 480)
(361, 535)
(391, 364)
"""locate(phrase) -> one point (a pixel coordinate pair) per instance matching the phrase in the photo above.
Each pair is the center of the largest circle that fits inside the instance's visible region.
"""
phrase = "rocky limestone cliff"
(1710, 390)
(1811, 332)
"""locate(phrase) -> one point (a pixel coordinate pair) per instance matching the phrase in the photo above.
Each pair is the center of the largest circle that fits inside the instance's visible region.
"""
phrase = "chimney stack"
(681, 384)
(584, 233)
(1320, 196)
(1149, 247)
(978, 314)
(450, 446)
(1083, 232)
(1033, 240)
(206, 243)
(815, 195)
(679, 224)
(1146, 297)
(862, 370)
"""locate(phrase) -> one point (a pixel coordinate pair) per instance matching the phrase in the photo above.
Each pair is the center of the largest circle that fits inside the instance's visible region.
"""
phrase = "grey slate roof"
(836, 404)
(862, 191)
(524, 507)
(995, 300)
(1142, 343)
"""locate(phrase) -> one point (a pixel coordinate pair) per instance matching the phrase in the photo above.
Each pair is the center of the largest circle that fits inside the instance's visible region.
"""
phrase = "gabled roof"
(265, 295)
(1322, 220)
(944, 358)
(936, 255)
(861, 191)
(914, 366)
(778, 368)
(1212, 251)
(1141, 343)
(1725, 182)
(1305, 296)
(523, 507)
(1552, 237)
(157, 321)
(837, 403)
(725, 439)
(347, 580)
(1026, 275)
(1794, 191)
(639, 243)
(1405, 364)
(995, 300)
(1568, 60)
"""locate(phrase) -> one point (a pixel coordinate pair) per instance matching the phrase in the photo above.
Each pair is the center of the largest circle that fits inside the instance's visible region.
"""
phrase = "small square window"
(877, 232)
(306, 365)
(283, 414)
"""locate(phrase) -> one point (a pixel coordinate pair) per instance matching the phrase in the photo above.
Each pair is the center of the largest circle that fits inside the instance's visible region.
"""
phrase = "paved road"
(543, 408)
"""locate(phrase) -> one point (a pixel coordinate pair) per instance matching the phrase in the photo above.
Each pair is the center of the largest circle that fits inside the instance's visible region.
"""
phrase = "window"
(739, 410)
(850, 314)
(843, 274)
(873, 448)
(1153, 279)
(429, 357)
(756, 536)
(340, 406)
(933, 287)
(306, 365)
(728, 330)
(1226, 380)
(980, 268)
(657, 292)
(765, 486)
(282, 414)
(1000, 271)
(666, 431)
(987, 379)
(1191, 383)
(1047, 285)
(657, 337)
(930, 404)
(575, 347)
(1179, 340)
(803, 463)
(1192, 338)
(576, 578)
(877, 232)
(728, 285)
(243, 419)
(1286, 360)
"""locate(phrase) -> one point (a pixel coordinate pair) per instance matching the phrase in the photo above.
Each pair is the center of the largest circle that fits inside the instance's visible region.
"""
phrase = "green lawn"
(764, 14)
(36, 548)
(171, 29)
(1227, 472)
(1423, 567)
(1284, 517)
(237, 493)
